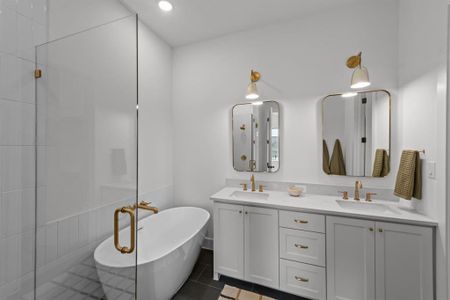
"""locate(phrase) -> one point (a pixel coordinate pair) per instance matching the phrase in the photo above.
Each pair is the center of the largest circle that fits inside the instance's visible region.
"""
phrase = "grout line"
(205, 284)
(201, 272)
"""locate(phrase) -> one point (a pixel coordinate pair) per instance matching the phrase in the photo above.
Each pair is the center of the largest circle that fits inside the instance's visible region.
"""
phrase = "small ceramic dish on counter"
(295, 191)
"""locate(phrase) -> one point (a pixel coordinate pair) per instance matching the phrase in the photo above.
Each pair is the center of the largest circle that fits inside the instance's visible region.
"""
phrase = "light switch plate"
(431, 169)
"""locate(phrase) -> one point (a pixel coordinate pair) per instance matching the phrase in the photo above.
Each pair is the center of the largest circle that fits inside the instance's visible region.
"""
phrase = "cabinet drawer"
(302, 246)
(302, 279)
(303, 221)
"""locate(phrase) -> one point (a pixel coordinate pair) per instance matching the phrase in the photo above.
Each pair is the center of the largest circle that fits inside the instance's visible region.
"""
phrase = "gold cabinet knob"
(380, 229)
(370, 229)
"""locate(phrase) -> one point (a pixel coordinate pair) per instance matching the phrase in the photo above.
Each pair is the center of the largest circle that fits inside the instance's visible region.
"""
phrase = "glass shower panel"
(86, 101)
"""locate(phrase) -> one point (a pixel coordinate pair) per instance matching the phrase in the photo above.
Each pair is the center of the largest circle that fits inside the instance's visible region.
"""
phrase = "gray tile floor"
(201, 285)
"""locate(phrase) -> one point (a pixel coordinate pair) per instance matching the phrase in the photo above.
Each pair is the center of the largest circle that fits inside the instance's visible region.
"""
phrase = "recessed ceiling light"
(165, 5)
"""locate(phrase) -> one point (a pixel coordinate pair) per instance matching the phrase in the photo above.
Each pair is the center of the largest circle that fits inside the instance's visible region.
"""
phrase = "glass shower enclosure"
(86, 162)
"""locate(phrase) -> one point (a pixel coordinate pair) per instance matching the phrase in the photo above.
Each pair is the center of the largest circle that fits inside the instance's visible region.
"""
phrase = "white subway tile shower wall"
(22, 27)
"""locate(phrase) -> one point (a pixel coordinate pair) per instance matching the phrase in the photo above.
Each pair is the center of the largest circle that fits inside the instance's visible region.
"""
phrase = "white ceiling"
(196, 20)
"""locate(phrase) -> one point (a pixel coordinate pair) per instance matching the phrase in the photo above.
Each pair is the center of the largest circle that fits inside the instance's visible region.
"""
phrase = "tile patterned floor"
(82, 282)
(202, 286)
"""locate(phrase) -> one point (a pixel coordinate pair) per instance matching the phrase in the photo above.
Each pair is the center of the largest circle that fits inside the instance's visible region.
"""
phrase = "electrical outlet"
(431, 169)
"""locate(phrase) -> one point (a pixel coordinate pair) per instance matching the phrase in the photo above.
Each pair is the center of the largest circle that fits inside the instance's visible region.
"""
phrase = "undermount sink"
(364, 206)
(250, 195)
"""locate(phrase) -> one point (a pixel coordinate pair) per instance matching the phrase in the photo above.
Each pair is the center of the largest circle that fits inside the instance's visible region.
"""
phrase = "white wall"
(96, 88)
(155, 118)
(67, 17)
(423, 29)
(301, 61)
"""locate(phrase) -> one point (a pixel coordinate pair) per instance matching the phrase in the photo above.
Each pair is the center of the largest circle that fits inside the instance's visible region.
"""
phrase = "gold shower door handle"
(130, 211)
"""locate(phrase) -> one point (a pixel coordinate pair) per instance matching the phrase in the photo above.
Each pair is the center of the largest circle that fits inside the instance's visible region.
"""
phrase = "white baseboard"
(208, 243)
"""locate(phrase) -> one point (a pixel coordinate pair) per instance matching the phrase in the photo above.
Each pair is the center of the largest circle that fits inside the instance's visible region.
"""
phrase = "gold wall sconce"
(360, 77)
(252, 91)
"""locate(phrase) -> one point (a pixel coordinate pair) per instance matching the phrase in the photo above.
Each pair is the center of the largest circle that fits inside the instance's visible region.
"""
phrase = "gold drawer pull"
(301, 246)
(301, 279)
(301, 221)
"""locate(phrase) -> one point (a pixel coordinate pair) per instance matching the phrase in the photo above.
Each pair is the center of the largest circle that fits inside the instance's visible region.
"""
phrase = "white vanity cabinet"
(302, 254)
(229, 240)
(261, 246)
(350, 259)
(404, 262)
(375, 260)
(318, 249)
(246, 243)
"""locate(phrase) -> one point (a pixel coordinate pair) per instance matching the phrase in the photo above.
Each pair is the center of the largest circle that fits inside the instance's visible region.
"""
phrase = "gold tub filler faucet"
(131, 211)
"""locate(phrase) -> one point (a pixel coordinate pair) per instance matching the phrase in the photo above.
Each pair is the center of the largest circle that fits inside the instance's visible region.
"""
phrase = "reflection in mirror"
(356, 134)
(256, 143)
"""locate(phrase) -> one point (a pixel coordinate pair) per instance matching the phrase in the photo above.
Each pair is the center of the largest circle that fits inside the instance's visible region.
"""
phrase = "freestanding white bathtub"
(168, 245)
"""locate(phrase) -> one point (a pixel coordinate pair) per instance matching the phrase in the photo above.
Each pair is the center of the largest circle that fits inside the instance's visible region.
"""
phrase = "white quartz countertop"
(322, 204)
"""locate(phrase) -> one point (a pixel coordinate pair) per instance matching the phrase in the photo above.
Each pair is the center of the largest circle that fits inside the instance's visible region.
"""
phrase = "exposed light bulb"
(360, 85)
(349, 95)
(252, 92)
(165, 5)
(252, 96)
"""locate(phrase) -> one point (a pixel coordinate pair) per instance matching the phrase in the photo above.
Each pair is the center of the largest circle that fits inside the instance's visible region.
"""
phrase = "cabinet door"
(404, 262)
(261, 246)
(350, 259)
(229, 240)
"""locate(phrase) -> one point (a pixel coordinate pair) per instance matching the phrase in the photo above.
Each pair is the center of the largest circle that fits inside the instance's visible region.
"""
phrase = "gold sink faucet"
(252, 180)
(358, 186)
